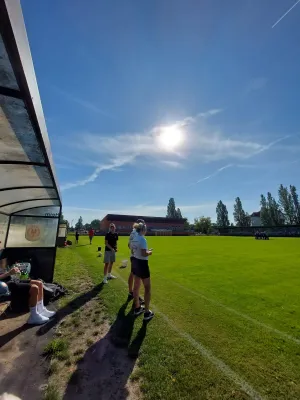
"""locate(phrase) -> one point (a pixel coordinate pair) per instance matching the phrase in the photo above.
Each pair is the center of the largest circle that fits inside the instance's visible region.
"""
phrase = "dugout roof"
(27, 175)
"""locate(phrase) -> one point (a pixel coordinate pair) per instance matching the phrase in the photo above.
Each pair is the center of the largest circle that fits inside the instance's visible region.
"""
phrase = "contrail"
(277, 22)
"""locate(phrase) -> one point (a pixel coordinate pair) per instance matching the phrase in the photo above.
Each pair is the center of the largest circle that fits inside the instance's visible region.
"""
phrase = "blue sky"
(112, 75)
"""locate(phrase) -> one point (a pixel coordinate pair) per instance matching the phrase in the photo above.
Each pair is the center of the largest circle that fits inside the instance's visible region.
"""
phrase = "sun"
(170, 137)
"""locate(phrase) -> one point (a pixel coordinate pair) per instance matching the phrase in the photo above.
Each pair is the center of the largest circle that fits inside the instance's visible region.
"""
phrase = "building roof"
(256, 214)
(27, 175)
(147, 219)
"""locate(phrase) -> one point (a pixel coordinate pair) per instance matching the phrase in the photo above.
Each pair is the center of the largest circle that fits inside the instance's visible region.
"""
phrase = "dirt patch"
(22, 369)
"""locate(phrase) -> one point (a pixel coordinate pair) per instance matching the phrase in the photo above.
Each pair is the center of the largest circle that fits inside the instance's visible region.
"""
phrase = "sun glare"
(170, 137)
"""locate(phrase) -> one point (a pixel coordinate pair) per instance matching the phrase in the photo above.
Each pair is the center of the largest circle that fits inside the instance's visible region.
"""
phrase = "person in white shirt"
(141, 271)
(131, 276)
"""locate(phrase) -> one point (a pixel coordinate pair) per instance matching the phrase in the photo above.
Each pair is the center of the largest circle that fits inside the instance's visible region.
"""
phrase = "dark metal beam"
(11, 162)
(24, 201)
(26, 187)
(5, 91)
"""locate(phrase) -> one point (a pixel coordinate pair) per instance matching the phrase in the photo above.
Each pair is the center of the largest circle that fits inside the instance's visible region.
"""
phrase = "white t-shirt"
(137, 244)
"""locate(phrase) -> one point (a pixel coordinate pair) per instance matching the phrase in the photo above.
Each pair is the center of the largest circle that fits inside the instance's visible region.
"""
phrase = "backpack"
(53, 291)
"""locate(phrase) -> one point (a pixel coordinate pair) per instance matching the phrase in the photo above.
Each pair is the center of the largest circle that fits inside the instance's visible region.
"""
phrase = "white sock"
(33, 311)
(40, 306)
(109, 274)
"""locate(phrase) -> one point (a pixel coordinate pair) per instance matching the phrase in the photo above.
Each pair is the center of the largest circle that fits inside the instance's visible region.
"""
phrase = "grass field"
(227, 321)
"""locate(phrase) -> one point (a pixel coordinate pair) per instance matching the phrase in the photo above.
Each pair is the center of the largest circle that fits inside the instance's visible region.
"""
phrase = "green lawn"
(227, 321)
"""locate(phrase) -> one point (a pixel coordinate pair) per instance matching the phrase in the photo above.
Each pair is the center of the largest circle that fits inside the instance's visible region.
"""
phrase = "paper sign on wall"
(33, 232)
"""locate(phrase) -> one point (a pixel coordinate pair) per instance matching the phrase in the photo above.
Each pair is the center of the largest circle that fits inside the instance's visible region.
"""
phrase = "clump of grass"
(53, 367)
(96, 333)
(51, 393)
(89, 342)
(57, 348)
(78, 352)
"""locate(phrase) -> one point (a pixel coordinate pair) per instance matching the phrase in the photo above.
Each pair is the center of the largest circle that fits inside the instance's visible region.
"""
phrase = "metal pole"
(6, 236)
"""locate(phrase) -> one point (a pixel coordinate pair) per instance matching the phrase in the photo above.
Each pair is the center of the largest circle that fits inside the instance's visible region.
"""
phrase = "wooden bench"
(4, 306)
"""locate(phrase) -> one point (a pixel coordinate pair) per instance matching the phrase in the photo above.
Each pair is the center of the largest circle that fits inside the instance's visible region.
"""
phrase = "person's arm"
(12, 271)
(144, 251)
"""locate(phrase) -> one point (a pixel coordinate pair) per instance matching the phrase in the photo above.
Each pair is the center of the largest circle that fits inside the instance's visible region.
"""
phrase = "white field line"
(205, 352)
(238, 313)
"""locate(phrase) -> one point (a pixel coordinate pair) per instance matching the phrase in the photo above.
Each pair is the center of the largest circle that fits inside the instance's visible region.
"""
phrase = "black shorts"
(140, 268)
(19, 293)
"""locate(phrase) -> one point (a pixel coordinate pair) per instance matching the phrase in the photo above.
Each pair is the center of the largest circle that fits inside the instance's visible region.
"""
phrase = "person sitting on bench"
(26, 292)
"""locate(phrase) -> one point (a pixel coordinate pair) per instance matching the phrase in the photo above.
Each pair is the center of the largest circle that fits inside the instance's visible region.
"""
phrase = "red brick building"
(124, 223)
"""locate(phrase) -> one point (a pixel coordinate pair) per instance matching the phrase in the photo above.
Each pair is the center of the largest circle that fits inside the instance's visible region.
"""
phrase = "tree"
(222, 215)
(275, 213)
(203, 225)
(295, 198)
(187, 225)
(87, 227)
(178, 213)
(95, 224)
(171, 210)
(79, 224)
(62, 220)
(264, 211)
(240, 216)
(286, 204)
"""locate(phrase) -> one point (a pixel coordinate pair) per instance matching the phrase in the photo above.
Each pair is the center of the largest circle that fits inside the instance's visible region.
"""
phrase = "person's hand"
(14, 271)
(149, 252)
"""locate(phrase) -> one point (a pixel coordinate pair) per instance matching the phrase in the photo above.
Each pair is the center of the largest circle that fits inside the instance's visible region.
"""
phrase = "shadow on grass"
(106, 366)
(69, 308)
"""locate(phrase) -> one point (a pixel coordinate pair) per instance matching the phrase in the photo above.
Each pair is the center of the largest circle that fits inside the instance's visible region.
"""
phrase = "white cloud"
(82, 102)
(214, 173)
(203, 143)
(173, 164)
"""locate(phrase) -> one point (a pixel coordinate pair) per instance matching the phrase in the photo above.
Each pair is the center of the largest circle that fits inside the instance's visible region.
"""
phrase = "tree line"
(283, 211)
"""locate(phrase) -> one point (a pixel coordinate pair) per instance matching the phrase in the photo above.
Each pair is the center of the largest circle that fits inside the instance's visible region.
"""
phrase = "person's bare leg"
(33, 296)
(105, 268)
(110, 265)
(136, 291)
(130, 282)
(39, 284)
(147, 286)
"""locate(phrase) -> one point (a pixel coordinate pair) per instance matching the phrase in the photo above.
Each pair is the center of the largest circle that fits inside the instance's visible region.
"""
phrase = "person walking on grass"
(141, 271)
(111, 239)
(76, 235)
(91, 235)
(131, 276)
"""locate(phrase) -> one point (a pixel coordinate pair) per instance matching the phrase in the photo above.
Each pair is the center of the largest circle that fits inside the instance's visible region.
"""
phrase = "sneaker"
(148, 315)
(130, 296)
(48, 313)
(105, 280)
(138, 311)
(37, 319)
(111, 277)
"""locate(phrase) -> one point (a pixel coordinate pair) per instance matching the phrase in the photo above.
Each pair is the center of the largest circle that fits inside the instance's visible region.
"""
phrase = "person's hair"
(141, 227)
(135, 225)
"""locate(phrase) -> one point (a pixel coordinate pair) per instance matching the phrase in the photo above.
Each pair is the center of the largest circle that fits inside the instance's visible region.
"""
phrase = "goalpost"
(163, 233)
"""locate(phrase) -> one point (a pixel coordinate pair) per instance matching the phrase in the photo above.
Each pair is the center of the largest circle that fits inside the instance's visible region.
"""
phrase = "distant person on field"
(131, 276)
(141, 271)
(111, 239)
(91, 234)
(76, 235)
